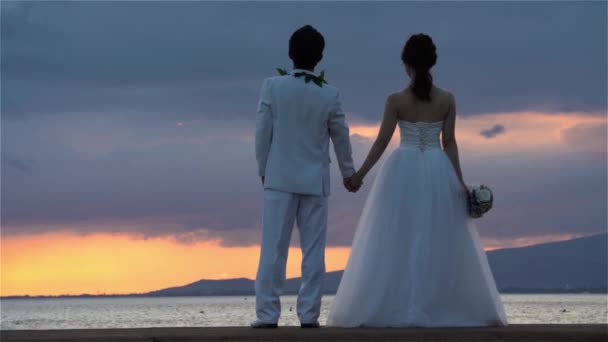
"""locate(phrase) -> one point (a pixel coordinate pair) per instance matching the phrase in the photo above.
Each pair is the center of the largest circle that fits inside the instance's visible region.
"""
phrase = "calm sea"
(78, 313)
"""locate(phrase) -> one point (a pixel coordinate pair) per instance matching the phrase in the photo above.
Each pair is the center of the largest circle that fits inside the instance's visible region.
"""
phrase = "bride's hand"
(355, 181)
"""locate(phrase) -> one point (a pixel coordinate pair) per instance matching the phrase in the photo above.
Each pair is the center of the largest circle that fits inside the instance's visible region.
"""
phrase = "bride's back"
(411, 109)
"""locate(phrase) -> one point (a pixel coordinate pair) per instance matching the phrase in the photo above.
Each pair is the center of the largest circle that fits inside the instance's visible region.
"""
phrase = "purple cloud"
(494, 131)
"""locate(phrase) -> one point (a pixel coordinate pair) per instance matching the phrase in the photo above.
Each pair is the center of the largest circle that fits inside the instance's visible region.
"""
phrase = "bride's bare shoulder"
(442, 94)
(443, 98)
(401, 96)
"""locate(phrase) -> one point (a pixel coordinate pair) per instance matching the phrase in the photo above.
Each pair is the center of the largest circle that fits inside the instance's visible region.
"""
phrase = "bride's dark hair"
(420, 53)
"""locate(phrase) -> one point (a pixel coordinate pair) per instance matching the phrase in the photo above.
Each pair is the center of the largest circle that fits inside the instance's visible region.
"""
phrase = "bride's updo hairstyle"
(420, 54)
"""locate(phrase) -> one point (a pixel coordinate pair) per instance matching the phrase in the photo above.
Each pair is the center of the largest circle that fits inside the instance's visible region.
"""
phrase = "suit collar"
(293, 71)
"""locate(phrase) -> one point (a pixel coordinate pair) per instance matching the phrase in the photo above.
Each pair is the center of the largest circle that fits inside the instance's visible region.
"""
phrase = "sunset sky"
(127, 128)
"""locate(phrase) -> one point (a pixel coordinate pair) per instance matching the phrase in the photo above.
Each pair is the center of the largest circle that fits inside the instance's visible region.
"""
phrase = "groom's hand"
(351, 184)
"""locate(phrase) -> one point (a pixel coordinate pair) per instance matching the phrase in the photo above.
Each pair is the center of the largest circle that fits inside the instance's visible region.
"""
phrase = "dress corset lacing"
(422, 135)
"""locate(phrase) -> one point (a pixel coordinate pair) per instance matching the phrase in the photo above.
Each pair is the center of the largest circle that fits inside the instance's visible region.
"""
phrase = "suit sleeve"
(339, 134)
(263, 128)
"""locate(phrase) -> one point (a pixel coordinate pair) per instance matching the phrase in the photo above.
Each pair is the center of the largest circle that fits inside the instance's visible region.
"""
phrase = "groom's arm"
(263, 129)
(339, 134)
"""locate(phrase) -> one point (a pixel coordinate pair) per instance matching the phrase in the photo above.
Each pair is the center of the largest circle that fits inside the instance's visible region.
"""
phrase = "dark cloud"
(493, 131)
(70, 57)
(16, 162)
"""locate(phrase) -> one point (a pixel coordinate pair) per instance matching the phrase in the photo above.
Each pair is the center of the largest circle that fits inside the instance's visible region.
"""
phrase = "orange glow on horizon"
(64, 263)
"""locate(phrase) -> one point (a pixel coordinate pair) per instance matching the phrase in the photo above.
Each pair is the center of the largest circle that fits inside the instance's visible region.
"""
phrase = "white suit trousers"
(281, 210)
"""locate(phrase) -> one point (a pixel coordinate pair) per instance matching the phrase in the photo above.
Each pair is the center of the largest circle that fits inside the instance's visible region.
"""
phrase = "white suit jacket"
(294, 123)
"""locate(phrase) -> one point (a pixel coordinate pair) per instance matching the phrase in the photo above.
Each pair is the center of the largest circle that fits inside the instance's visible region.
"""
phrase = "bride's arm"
(448, 139)
(387, 128)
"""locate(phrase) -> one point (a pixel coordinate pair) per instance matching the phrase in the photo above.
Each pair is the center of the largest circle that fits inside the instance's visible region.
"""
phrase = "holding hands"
(354, 182)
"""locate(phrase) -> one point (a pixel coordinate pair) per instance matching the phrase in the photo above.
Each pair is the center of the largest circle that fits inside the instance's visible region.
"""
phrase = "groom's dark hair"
(306, 47)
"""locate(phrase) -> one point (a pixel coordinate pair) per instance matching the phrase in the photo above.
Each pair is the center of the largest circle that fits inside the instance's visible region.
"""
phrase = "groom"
(297, 115)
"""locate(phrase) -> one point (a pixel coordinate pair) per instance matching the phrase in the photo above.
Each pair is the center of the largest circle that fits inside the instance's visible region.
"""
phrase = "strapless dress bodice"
(422, 135)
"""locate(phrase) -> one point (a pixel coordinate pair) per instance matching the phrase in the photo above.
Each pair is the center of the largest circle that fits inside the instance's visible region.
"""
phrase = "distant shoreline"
(250, 294)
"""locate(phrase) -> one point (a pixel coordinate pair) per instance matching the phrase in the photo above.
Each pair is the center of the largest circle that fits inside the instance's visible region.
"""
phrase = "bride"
(416, 259)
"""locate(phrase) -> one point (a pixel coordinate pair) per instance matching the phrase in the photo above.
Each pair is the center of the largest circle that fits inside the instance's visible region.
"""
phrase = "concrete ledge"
(518, 332)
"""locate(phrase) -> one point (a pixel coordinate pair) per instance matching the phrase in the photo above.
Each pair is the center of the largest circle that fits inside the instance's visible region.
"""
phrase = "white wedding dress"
(416, 258)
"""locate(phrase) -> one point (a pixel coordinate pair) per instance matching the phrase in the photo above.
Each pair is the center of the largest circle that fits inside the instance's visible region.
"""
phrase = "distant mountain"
(228, 287)
(573, 265)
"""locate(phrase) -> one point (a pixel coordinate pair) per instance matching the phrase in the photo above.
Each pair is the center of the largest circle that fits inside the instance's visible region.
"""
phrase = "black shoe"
(314, 325)
(261, 325)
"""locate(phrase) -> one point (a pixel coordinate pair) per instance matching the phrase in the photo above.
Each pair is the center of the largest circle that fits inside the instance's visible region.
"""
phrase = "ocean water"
(80, 313)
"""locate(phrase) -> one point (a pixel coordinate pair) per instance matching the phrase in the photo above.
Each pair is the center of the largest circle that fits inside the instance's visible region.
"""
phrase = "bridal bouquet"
(480, 200)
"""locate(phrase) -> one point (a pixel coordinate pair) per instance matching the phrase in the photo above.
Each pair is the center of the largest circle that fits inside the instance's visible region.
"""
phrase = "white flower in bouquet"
(481, 200)
(483, 194)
